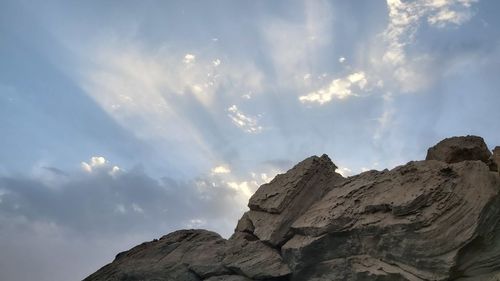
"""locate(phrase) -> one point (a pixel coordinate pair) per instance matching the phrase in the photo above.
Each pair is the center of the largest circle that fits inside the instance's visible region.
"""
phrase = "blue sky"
(124, 120)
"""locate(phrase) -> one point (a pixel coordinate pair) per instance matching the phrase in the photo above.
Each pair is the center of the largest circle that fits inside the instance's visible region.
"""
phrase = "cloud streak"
(340, 88)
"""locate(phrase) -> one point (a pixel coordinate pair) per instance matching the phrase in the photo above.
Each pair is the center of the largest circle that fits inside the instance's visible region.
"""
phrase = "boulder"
(457, 149)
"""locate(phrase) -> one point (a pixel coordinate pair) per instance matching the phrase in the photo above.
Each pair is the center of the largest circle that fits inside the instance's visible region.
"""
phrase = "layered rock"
(436, 219)
(181, 255)
(276, 205)
(416, 217)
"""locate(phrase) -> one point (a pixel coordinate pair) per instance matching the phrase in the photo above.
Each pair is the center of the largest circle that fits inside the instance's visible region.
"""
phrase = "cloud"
(344, 171)
(221, 170)
(167, 103)
(405, 18)
(89, 202)
(340, 88)
(246, 123)
(294, 45)
(95, 162)
(189, 58)
(247, 188)
(110, 211)
(55, 171)
(99, 163)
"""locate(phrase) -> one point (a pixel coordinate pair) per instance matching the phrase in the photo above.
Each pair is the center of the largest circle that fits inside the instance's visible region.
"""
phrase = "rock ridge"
(435, 219)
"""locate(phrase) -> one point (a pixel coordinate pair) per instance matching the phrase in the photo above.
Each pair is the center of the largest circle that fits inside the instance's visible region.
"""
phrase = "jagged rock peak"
(436, 219)
(275, 196)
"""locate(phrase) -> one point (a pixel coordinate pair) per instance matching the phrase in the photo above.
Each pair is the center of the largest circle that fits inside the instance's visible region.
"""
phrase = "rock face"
(457, 149)
(494, 161)
(276, 205)
(436, 219)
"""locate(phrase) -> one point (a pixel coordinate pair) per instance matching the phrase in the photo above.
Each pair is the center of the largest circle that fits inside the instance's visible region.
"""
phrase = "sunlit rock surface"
(436, 219)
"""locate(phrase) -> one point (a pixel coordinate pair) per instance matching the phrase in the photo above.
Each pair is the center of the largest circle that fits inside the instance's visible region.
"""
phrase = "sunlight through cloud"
(340, 88)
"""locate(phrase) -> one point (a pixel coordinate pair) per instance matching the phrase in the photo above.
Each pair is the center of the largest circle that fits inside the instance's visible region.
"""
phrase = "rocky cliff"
(436, 219)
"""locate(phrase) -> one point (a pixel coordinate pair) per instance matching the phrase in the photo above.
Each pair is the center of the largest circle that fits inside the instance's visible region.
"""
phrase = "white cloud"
(86, 167)
(95, 162)
(221, 170)
(340, 88)
(246, 188)
(99, 163)
(405, 18)
(114, 171)
(247, 96)
(341, 59)
(344, 171)
(189, 58)
(245, 122)
(196, 223)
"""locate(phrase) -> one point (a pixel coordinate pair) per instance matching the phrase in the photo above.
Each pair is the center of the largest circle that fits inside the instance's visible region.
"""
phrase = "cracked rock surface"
(436, 219)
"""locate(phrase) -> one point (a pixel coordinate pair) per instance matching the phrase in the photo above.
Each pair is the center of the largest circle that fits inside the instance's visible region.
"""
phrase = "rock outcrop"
(436, 219)
(458, 149)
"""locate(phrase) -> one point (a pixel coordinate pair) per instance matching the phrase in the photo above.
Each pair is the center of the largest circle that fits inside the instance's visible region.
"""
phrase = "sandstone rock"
(354, 268)
(275, 205)
(494, 161)
(457, 149)
(250, 257)
(427, 220)
(402, 217)
(228, 278)
(245, 224)
(168, 258)
(277, 195)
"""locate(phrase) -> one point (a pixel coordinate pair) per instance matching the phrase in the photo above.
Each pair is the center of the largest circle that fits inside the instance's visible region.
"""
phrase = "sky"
(122, 121)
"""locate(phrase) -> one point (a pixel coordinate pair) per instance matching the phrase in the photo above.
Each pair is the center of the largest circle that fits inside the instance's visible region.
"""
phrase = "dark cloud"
(127, 202)
(94, 207)
(56, 171)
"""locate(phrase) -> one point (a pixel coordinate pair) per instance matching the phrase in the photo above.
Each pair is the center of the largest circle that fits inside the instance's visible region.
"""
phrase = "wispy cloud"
(245, 122)
(158, 95)
(340, 88)
(295, 46)
(405, 19)
(222, 169)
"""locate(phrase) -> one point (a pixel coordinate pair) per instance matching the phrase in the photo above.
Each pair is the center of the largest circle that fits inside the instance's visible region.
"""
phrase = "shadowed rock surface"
(436, 219)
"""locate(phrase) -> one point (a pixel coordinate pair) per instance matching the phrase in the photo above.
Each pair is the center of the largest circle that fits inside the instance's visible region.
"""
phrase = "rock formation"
(494, 161)
(436, 219)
